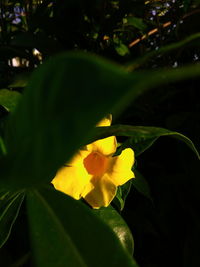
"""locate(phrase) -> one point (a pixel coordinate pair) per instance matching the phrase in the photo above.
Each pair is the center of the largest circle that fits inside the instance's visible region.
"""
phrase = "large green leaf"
(142, 137)
(65, 232)
(10, 204)
(65, 98)
(111, 217)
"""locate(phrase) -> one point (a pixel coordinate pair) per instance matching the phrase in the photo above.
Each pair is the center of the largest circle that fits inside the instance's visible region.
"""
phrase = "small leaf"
(136, 22)
(10, 204)
(9, 99)
(122, 49)
(122, 193)
(65, 232)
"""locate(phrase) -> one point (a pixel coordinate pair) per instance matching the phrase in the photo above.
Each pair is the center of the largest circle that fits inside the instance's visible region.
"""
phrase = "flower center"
(96, 163)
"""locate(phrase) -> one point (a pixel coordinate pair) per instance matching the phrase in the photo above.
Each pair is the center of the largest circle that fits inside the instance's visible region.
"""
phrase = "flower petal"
(72, 180)
(77, 159)
(120, 170)
(106, 146)
(100, 191)
(105, 121)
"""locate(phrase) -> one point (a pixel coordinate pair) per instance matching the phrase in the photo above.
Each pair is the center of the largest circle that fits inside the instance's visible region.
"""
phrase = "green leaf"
(136, 22)
(142, 135)
(122, 193)
(111, 217)
(65, 232)
(58, 112)
(9, 99)
(10, 204)
(122, 49)
(138, 146)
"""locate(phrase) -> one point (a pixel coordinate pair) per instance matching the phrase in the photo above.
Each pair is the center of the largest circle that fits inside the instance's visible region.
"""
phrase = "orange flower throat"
(96, 164)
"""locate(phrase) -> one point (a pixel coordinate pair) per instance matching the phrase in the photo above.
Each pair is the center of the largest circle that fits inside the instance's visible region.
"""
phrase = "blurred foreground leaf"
(57, 113)
(62, 105)
(65, 232)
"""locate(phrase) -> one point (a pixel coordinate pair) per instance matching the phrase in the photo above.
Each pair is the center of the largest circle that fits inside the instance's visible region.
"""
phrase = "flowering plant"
(50, 138)
(94, 173)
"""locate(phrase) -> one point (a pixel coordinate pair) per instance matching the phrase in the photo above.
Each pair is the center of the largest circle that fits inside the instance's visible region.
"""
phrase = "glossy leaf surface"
(111, 217)
(142, 137)
(65, 232)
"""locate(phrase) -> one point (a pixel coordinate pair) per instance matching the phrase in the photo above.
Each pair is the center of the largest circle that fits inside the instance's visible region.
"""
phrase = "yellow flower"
(94, 174)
